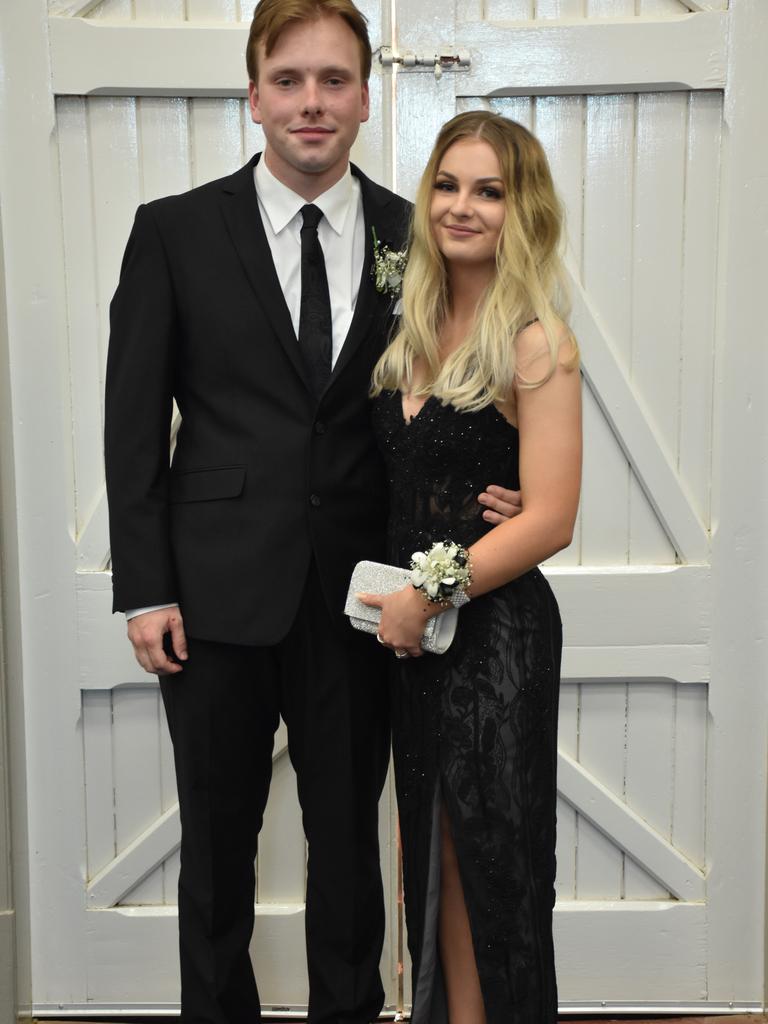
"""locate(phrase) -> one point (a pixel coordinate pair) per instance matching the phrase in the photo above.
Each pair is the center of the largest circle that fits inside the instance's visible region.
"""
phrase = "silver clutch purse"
(377, 578)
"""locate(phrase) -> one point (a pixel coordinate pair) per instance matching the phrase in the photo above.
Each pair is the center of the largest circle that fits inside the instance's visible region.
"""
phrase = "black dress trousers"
(329, 684)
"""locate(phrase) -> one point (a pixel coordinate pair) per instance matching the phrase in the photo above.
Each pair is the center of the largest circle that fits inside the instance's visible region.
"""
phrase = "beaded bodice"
(437, 465)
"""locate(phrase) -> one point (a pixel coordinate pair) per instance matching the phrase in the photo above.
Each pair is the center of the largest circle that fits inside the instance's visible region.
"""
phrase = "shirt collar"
(282, 204)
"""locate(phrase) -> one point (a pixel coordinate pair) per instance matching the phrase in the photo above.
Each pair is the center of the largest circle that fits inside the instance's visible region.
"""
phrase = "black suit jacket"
(262, 476)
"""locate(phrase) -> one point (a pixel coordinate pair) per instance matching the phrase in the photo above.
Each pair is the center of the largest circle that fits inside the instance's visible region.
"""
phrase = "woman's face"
(468, 203)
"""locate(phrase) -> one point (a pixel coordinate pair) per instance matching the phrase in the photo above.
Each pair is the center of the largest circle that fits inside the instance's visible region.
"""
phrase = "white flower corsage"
(443, 573)
(388, 268)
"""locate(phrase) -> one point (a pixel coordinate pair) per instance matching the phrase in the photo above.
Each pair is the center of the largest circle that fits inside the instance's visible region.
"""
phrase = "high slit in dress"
(475, 728)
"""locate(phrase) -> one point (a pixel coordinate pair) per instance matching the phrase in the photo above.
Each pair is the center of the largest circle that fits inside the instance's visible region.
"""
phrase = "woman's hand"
(404, 614)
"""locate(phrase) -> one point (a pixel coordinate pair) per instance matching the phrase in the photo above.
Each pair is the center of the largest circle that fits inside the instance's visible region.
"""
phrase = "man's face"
(310, 100)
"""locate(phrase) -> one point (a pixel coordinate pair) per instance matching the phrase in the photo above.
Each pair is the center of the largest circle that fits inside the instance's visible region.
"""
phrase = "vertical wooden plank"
(606, 259)
(218, 10)
(606, 275)
(599, 871)
(639, 885)
(516, 108)
(216, 138)
(736, 805)
(560, 129)
(253, 134)
(568, 741)
(649, 786)
(215, 125)
(163, 146)
(656, 311)
(82, 305)
(136, 759)
(610, 8)
(168, 797)
(99, 784)
(168, 794)
(116, 192)
(422, 103)
(559, 124)
(471, 10)
(423, 106)
(702, 204)
(658, 242)
(509, 10)
(604, 528)
(162, 123)
(649, 544)
(159, 10)
(608, 212)
(372, 151)
(690, 775)
(282, 849)
(559, 9)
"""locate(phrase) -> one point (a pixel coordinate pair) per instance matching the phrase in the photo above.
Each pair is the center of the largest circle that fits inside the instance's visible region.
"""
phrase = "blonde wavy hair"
(528, 283)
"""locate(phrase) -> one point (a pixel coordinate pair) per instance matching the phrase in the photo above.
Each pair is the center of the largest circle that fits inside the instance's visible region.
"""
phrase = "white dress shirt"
(342, 237)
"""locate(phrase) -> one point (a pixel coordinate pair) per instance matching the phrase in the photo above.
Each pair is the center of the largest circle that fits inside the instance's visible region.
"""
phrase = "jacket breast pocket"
(208, 484)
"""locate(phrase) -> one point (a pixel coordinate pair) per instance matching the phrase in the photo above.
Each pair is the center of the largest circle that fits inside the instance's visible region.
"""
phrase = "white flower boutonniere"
(388, 268)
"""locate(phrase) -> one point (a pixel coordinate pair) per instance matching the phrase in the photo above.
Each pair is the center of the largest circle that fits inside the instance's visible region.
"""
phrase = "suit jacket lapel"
(240, 208)
(369, 301)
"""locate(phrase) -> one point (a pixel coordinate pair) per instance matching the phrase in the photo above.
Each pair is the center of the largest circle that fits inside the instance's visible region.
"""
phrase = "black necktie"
(315, 324)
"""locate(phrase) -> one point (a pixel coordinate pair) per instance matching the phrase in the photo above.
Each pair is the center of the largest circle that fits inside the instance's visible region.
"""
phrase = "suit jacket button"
(314, 500)
(319, 427)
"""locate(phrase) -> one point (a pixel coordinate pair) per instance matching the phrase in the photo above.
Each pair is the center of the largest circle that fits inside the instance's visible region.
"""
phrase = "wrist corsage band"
(444, 573)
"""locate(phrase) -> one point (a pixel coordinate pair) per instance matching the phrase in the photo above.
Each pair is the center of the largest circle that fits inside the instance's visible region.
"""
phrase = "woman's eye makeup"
(484, 191)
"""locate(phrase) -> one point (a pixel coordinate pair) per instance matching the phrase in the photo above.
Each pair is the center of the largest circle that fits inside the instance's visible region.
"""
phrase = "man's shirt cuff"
(131, 613)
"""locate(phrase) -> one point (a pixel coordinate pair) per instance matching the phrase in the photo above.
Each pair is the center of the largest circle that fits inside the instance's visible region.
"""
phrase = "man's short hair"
(272, 16)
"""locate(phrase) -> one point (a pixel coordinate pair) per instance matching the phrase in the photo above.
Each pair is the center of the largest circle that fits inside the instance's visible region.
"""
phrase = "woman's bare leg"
(457, 955)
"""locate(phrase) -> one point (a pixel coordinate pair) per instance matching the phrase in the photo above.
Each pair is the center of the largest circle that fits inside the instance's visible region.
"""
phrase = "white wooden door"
(645, 107)
(124, 132)
(627, 97)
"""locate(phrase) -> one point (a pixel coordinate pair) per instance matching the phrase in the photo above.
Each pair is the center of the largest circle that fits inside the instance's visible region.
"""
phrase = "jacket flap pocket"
(208, 484)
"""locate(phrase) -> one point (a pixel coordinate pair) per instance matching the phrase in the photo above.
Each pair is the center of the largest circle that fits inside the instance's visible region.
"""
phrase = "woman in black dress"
(481, 381)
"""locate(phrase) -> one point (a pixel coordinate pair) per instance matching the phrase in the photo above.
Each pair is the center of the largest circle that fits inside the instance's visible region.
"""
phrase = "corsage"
(444, 573)
(388, 268)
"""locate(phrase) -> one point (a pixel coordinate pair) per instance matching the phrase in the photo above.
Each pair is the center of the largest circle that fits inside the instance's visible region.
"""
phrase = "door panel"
(639, 174)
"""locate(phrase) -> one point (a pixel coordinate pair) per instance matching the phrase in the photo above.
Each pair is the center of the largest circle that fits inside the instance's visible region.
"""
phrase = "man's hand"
(500, 504)
(146, 633)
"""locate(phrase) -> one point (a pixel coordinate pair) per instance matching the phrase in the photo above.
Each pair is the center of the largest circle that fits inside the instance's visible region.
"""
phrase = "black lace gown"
(476, 727)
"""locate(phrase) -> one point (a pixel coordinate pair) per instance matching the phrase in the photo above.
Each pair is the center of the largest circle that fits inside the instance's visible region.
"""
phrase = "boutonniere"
(388, 268)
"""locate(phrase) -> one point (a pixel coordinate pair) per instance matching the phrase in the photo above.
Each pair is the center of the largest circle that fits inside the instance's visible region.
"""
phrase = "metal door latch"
(437, 60)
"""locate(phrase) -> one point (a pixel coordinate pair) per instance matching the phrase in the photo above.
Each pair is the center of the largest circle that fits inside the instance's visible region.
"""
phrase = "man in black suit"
(250, 301)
